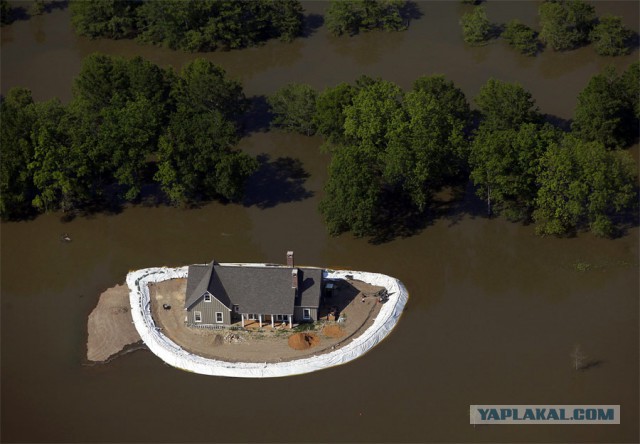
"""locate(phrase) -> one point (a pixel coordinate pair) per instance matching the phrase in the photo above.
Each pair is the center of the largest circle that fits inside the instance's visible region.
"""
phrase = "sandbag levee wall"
(176, 356)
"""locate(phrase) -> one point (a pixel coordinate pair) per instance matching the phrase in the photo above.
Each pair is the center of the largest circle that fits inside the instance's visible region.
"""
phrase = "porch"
(255, 321)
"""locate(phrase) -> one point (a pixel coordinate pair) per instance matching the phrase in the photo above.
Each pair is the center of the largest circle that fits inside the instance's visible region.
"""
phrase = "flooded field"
(494, 311)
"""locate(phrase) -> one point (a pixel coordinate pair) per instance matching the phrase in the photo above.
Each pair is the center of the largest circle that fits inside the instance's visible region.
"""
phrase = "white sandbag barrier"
(176, 356)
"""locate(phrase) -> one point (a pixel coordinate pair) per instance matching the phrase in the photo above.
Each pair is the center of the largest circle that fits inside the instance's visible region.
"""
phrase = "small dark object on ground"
(166, 306)
(65, 238)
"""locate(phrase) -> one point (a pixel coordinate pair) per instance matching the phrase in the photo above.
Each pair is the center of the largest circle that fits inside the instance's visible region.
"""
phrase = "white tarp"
(174, 355)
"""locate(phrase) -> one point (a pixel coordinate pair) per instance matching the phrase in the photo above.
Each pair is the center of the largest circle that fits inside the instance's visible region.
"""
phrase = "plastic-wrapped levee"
(176, 356)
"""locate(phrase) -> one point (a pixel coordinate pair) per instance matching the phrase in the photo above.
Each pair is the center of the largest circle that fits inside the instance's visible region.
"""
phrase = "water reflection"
(366, 48)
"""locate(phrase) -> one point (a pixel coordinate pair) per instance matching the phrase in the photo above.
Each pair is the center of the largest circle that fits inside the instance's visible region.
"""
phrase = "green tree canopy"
(115, 19)
(476, 28)
(631, 86)
(583, 185)
(64, 175)
(403, 146)
(294, 107)
(505, 166)
(203, 87)
(353, 16)
(6, 14)
(521, 37)
(605, 111)
(610, 37)
(427, 144)
(353, 192)
(565, 24)
(196, 160)
(16, 181)
(192, 25)
(370, 118)
(505, 105)
(330, 111)
(112, 81)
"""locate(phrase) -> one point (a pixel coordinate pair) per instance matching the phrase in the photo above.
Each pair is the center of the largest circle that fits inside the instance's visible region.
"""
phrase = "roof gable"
(265, 290)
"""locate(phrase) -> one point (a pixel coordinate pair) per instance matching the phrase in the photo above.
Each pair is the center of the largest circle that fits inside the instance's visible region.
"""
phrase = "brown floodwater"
(494, 312)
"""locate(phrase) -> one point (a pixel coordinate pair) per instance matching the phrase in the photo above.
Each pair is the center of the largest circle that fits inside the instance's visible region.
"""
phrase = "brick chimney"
(294, 278)
(290, 259)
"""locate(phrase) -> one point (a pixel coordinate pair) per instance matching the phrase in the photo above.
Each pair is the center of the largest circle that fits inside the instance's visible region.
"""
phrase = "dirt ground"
(355, 313)
(110, 326)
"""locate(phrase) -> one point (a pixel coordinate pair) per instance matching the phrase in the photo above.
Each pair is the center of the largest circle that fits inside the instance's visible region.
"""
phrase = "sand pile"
(110, 325)
(333, 331)
(303, 341)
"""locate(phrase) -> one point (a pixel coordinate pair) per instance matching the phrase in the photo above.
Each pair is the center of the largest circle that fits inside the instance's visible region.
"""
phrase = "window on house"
(207, 297)
(236, 308)
(219, 317)
(197, 316)
(306, 314)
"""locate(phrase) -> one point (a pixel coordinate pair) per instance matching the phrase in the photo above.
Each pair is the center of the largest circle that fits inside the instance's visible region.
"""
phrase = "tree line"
(207, 25)
(191, 25)
(392, 150)
(129, 123)
(564, 25)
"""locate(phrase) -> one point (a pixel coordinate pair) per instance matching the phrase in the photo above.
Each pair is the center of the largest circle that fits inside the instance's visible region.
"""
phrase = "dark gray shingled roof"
(255, 289)
(310, 283)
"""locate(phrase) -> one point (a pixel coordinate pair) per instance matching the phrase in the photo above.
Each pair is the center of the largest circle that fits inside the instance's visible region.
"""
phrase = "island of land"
(350, 312)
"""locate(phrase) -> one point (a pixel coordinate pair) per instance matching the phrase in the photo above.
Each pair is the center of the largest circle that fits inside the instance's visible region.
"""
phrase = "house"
(221, 295)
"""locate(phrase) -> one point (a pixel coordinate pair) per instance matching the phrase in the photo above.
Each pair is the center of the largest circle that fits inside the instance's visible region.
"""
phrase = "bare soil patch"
(333, 331)
(110, 325)
(303, 341)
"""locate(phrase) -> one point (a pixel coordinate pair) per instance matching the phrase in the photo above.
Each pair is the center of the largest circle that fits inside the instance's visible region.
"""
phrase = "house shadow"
(332, 305)
(276, 181)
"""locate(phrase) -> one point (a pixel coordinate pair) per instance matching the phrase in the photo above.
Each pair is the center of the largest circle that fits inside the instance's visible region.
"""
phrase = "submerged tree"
(565, 25)
(294, 107)
(353, 16)
(196, 160)
(521, 37)
(6, 13)
(329, 117)
(115, 19)
(202, 25)
(16, 181)
(353, 192)
(476, 28)
(505, 165)
(606, 110)
(610, 37)
(397, 149)
(582, 185)
(505, 105)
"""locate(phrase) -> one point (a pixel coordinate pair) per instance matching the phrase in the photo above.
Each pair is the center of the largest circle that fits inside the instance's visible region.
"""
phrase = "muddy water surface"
(494, 313)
